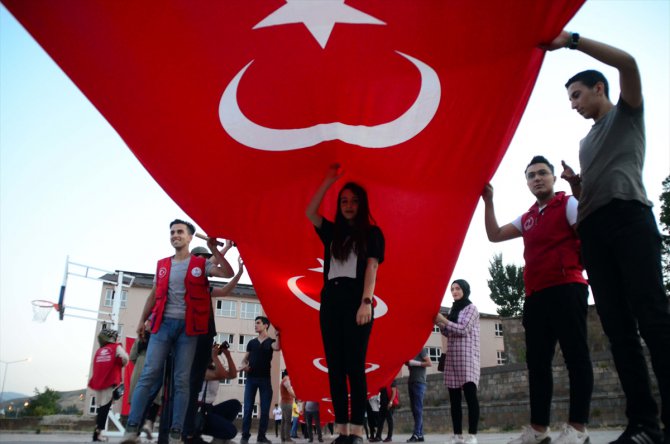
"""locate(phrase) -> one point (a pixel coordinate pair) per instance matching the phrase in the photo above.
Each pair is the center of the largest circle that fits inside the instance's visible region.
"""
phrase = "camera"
(223, 346)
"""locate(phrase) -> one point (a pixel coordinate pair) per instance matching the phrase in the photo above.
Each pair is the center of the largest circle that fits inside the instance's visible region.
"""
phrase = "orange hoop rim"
(42, 303)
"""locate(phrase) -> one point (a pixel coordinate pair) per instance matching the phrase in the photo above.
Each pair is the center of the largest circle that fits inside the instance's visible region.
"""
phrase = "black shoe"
(413, 438)
(638, 434)
(263, 440)
(341, 439)
(388, 439)
(421, 438)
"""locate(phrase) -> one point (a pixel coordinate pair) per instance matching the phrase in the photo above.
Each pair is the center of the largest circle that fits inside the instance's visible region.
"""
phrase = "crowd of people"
(605, 227)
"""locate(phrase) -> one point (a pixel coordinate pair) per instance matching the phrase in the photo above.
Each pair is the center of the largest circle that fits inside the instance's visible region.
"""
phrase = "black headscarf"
(462, 302)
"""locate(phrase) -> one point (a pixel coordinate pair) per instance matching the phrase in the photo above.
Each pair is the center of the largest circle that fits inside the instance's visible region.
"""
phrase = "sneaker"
(413, 438)
(130, 435)
(532, 436)
(470, 439)
(175, 437)
(420, 438)
(148, 428)
(570, 435)
(244, 440)
(636, 434)
(456, 439)
(263, 440)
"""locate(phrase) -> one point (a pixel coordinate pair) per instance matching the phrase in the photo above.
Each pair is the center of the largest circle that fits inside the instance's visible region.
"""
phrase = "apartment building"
(234, 318)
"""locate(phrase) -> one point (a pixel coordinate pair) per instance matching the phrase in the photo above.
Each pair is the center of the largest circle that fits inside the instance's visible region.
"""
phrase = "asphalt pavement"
(597, 437)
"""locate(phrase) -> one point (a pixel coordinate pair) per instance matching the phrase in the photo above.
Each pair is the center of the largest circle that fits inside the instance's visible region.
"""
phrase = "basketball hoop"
(42, 308)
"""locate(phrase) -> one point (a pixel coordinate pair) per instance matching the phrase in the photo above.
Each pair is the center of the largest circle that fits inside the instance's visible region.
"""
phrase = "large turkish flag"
(237, 107)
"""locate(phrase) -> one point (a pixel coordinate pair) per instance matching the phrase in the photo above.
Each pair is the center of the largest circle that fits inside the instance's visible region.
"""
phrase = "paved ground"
(597, 437)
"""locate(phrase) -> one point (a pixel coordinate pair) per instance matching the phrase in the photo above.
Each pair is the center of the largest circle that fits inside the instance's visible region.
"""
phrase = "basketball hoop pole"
(86, 273)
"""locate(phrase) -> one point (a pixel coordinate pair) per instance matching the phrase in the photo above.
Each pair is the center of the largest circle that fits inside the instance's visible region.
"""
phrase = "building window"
(434, 353)
(436, 328)
(227, 309)
(254, 412)
(501, 357)
(243, 342)
(109, 298)
(92, 409)
(250, 310)
(226, 381)
(242, 377)
(499, 329)
(225, 337)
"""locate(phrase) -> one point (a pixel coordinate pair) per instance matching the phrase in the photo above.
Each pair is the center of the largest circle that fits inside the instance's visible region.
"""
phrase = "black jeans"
(385, 416)
(621, 247)
(101, 418)
(313, 419)
(202, 358)
(558, 314)
(345, 344)
(470, 390)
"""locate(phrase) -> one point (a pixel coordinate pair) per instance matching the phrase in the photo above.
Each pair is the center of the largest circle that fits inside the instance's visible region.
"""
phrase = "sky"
(70, 186)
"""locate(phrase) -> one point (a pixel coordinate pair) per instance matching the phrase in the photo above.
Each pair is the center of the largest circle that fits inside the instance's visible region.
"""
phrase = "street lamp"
(4, 378)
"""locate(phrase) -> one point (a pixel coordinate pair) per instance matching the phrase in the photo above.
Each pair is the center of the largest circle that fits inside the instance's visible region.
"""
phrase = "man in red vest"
(180, 305)
(555, 308)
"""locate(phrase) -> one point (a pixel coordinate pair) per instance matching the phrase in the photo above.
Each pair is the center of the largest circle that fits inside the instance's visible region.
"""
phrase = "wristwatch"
(574, 40)
(367, 301)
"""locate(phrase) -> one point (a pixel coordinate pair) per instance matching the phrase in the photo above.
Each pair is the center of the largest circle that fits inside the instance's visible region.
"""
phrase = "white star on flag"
(319, 16)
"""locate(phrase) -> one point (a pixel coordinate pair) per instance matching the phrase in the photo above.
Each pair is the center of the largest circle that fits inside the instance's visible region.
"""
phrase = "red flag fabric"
(127, 377)
(236, 108)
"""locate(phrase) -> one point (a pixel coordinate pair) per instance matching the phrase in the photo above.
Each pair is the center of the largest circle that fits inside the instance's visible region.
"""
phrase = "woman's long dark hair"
(347, 237)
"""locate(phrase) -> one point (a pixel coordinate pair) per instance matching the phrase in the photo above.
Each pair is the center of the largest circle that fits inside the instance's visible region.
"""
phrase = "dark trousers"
(345, 344)
(621, 248)
(220, 417)
(202, 358)
(385, 416)
(558, 314)
(264, 387)
(313, 419)
(101, 418)
(470, 391)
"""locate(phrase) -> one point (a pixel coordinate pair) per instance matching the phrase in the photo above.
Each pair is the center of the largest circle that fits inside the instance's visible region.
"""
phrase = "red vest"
(551, 247)
(106, 368)
(197, 297)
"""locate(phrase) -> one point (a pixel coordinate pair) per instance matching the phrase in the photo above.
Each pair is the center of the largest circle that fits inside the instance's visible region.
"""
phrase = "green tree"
(506, 285)
(44, 403)
(665, 228)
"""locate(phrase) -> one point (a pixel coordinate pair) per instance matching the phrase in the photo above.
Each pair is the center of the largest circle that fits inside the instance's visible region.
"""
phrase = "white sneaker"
(570, 435)
(532, 436)
(470, 439)
(456, 439)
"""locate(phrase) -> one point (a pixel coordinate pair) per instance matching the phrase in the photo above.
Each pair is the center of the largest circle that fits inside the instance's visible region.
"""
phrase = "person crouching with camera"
(212, 419)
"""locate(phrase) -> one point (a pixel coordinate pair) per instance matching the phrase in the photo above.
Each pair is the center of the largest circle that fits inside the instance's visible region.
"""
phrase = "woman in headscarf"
(461, 369)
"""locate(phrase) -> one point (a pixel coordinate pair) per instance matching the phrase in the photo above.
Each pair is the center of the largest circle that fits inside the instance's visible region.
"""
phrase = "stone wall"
(503, 390)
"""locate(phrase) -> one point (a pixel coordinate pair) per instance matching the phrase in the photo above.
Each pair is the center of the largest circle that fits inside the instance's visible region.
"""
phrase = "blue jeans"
(621, 248)
(264, 387)
(294, 427)
(171, 335)
(416, 392)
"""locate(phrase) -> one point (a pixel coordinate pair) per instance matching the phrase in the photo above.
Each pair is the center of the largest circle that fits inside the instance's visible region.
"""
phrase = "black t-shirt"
(260, 357)
(374, 248)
